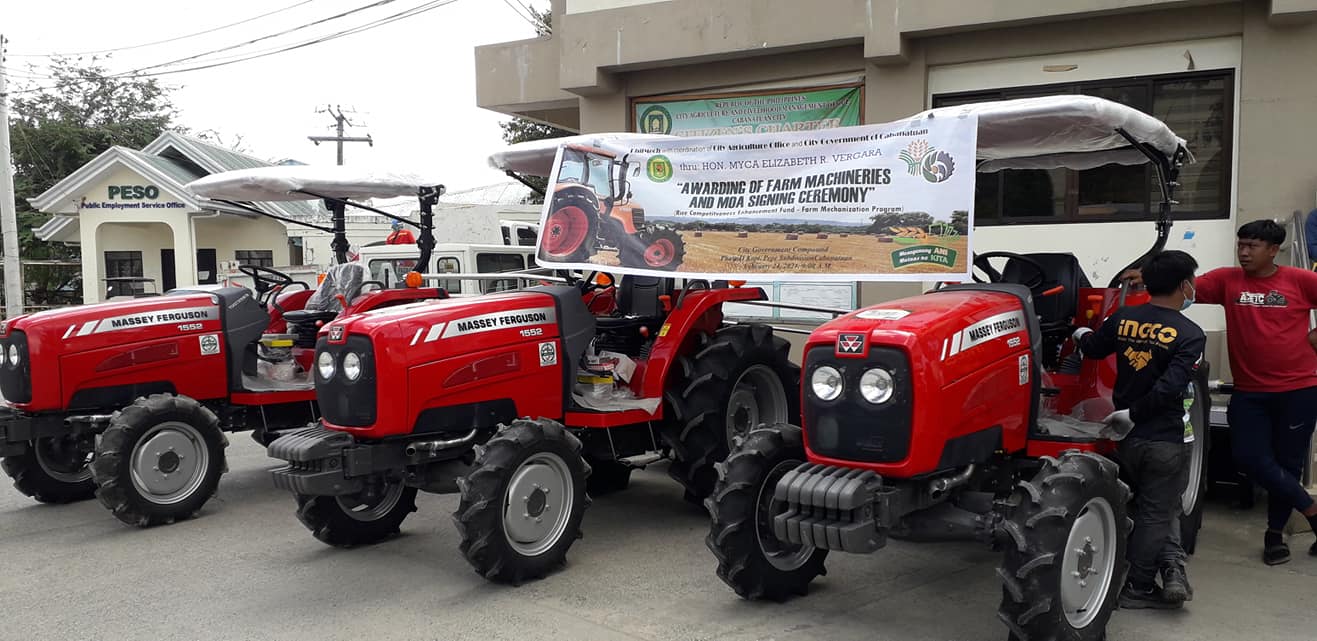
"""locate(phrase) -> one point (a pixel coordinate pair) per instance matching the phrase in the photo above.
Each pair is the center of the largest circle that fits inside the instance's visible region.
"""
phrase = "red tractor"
(433, 398)
(591, 206)
(129, 400)
(963, 413)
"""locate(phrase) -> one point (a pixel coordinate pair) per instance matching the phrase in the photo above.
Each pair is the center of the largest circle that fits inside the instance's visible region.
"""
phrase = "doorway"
(206, 268)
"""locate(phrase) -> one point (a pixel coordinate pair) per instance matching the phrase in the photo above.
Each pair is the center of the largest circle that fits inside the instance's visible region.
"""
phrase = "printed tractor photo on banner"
(881, 202)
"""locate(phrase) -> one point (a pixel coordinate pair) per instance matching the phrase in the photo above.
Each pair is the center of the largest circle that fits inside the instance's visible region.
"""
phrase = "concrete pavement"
(247, 570)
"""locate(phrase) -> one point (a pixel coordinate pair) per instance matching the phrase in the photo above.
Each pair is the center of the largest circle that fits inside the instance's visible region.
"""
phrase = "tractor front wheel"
(53, 470)
(751, 559)
(658, 249)
(159, 461)
(521, 507)
(1064, 533)
(1191, 509)
(728, 384)
(358, 519)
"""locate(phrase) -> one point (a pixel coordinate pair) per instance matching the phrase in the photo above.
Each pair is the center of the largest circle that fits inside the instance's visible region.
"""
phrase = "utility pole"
(8, 216)
(339, 121)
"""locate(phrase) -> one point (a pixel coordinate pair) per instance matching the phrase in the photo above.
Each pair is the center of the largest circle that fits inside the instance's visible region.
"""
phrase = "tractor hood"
(940, 330)
(426, 331)
(100, 325)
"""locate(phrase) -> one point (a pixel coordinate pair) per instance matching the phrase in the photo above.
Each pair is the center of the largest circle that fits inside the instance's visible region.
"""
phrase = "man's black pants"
(1269, 437)
(1156, 472)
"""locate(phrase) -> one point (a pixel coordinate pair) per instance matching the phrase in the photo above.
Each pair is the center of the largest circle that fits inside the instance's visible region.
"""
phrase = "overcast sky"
(412, 82)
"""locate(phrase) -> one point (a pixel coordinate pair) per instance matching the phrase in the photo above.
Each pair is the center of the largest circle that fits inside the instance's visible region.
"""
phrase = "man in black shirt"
(1157, 350)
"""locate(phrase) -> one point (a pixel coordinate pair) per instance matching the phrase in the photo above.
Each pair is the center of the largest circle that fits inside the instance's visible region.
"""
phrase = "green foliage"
(56, 130)
(960, 220)
(523, 130)
(882, 222)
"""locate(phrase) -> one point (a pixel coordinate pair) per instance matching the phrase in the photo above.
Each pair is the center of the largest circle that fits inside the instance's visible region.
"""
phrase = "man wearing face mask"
(1157, 351)
(1273, 360)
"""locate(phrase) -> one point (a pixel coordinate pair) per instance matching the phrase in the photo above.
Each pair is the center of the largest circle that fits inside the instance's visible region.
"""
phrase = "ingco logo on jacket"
(1134, 329)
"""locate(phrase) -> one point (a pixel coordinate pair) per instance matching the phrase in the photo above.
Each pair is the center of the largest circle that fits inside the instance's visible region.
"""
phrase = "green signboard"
(744, 114)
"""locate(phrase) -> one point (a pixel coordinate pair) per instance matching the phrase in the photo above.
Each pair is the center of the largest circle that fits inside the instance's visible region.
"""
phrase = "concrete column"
(92, 259)
(605, 112)
(185, 251)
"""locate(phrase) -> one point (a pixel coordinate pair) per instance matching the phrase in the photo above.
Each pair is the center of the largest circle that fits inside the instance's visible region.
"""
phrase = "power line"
(527, 19)
(136, 73)
(337, 16)
(160, 42)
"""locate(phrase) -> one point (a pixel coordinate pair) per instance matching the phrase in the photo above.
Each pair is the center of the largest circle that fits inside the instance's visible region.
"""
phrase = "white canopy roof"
(287, 183)
(1078, 132)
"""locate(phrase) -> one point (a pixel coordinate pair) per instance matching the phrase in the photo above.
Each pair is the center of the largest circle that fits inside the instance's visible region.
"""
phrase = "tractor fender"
(698, 311)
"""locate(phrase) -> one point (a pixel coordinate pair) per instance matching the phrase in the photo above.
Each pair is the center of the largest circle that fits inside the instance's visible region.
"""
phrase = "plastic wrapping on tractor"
(830, 508)
(344, 279)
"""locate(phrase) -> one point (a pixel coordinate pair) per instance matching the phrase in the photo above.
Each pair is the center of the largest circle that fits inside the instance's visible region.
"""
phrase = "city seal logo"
(659, 169)
(922, 159)
(656, 119)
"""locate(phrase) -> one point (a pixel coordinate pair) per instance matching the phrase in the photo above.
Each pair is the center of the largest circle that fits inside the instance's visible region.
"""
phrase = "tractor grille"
(16, 381)
(344, 402)
(850, 428)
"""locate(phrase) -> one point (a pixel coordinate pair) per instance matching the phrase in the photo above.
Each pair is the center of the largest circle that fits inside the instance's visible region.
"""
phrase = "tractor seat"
(638, 303)
(1055, 313)
(311, 316)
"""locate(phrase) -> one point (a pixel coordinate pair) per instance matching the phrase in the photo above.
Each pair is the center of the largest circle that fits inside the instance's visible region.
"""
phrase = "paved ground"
(247, 570)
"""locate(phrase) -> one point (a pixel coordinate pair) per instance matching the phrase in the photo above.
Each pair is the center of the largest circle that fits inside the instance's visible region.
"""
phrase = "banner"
(763, 113)
(877, 202)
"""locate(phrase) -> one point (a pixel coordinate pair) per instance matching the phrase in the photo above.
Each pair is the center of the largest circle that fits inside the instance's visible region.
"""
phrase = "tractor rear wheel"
(571, 227)
(53, 470)
(1064, 534)
(521, 507)
(750, 557)
(1195, 491)
(159, 461)
(731, 382)
(359, 519)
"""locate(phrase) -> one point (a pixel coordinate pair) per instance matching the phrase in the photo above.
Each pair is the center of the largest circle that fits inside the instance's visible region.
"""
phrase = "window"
(495, 263)
(124, 264)
(1197, 106)
(526, 236)
(449, 265)
(254, 257)
(295, 253)
(391, 271)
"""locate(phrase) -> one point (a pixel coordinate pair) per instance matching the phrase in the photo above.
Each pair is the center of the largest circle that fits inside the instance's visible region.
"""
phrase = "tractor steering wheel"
(1037, 274)
(263, 282)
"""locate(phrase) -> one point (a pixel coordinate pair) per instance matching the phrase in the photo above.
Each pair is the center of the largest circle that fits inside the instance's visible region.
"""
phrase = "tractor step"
(832, 508)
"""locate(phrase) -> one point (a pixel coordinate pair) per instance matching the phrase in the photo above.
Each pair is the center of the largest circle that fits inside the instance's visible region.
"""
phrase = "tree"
(521, 130)
(960, 220)
(882, 222)
(54, 130)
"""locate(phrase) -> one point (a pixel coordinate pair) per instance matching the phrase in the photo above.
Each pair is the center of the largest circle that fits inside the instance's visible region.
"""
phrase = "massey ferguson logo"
(336, 333)
(850, 343)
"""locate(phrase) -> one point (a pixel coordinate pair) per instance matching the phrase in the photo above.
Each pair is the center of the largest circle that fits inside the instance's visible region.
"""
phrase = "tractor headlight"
(826, 383)
(325, 364)
(352, 366)
(13, 355)
(876, 386)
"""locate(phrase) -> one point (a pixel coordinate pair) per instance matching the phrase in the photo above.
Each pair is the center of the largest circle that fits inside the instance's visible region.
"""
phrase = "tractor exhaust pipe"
(432, 448)
(939, 488)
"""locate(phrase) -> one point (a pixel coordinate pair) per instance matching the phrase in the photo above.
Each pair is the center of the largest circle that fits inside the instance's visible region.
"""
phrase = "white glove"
(1118, 425)
(1080, 333)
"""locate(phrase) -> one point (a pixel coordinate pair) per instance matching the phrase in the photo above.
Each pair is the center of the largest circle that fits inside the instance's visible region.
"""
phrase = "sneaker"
(1132, 598)
(1175, 585)
(1274, 550)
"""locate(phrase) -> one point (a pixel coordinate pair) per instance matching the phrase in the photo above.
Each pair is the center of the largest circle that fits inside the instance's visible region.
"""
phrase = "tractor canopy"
(335, 185)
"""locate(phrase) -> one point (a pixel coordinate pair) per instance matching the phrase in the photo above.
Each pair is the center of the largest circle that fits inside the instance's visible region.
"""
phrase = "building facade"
(1235, 78)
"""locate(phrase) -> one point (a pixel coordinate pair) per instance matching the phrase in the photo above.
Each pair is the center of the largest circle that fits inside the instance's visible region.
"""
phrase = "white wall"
(1103, 248)
(227, 234)
(582, 6)
(148, 238)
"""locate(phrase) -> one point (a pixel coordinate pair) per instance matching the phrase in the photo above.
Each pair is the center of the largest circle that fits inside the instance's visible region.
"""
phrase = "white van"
(390, 263)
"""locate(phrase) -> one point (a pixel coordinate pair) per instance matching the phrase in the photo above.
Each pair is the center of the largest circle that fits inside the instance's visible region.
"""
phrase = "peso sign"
(878, 202)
